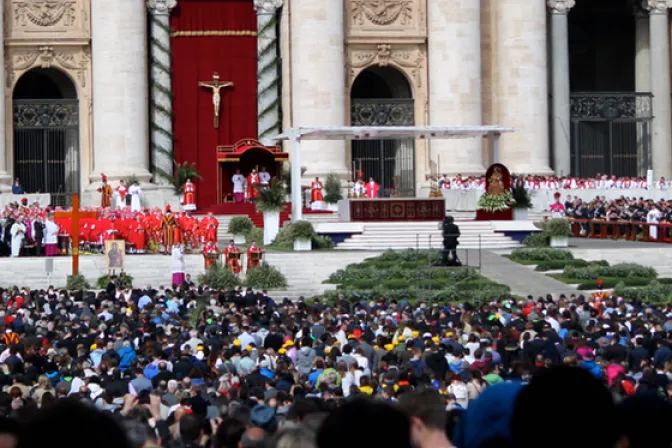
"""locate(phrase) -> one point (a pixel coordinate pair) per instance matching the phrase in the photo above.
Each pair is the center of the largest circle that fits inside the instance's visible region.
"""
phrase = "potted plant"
(495, 202)
(522, 202)
(558, 230)
(302, 233)
(271, 202)
(334, 191)
(239, 226)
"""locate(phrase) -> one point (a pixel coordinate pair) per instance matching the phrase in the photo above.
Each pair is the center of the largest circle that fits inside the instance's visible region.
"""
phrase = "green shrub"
(219, 277)
(665, 281)
(655, 292)
(322, 242)
(126, 281)
(77, 283)
(555, 227)
(271, 198)
(240, 225)
(522, 197)
(541, 254)
(610, 283)
(537, 239)
(265, 277)
(561, 264)
(300, 230)
(624, 270)
(333, 189)
(255, 234)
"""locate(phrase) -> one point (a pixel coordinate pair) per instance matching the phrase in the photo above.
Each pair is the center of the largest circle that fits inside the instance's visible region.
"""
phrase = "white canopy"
(390, 132)
(295, 135)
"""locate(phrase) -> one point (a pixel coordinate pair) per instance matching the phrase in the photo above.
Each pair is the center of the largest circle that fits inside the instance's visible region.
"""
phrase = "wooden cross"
(75, 215)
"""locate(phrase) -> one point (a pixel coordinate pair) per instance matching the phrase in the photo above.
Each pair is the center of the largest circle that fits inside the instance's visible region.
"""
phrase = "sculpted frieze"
(386, 16)
(45, 13)
(66, 18)
(74, 60)
(408, 59)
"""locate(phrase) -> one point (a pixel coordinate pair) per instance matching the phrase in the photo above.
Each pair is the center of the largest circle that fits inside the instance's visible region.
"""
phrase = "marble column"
(454, 45)
(5, 178)
(522, 87)
(318, 81)
(120, 92)
(268, 70)
(560, 85)
(642, 76)
(661, 133)
(161, 108)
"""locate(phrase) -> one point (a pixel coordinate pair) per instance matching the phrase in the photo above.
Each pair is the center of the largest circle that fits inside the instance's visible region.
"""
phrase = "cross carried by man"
(215, 85)
(75, 214)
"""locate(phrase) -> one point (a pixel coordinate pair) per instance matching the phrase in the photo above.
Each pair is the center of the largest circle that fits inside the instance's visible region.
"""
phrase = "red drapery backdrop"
(212, 36)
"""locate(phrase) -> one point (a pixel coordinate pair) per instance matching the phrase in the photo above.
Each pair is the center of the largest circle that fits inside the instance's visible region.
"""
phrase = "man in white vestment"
(50, 238)
(135, 191)
(264, 177)
(238, 187)
(653, 217)
(18, 233)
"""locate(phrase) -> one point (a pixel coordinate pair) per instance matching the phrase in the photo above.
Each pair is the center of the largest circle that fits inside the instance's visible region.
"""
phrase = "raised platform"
(391, 209)
(243, 209)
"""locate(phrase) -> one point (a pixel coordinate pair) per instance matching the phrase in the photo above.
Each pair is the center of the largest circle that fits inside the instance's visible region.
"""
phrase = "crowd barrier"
(467, 200)
(621, 230)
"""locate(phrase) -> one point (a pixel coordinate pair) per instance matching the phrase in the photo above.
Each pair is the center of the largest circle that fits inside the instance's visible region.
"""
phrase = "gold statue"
(496, 182)
(216, 86)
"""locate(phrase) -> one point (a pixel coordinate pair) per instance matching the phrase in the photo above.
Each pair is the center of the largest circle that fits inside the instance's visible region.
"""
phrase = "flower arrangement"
(496, 202)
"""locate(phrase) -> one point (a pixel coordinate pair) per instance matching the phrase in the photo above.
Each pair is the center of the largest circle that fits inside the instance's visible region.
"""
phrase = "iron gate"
(610, 134)
(390, 162)
(46, 147)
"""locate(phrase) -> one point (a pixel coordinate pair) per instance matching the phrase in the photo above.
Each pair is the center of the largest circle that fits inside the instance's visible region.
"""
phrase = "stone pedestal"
(560, 85)
(318, 81)
(454, 42)
(120, 93)
(522, 86)
(661, 134)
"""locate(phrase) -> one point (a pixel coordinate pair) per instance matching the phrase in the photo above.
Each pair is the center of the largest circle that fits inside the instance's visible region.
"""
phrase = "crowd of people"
(188, 366)
(530, 182)
(29, 229)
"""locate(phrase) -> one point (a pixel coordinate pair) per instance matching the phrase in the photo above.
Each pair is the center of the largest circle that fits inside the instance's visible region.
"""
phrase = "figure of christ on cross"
(75, 215)
(215, 85)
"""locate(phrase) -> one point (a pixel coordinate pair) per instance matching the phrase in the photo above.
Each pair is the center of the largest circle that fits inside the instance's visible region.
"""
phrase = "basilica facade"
(130, 89)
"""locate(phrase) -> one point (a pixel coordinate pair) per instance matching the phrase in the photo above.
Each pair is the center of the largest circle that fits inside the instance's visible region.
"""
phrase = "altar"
(391, 209)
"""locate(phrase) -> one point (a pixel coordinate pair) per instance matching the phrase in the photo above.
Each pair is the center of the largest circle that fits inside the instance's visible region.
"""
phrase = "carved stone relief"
(408, 59)
(29, 17)
(73, 60)
(366, 17)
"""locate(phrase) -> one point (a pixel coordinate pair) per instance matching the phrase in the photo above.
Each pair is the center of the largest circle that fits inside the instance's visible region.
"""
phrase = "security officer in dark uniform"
(451, 233)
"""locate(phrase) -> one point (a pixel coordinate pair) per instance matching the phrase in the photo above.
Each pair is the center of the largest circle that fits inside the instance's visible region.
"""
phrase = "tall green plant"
(522, 197)
(219, 277)
(271, 198)
(333, 188)
(182, 172)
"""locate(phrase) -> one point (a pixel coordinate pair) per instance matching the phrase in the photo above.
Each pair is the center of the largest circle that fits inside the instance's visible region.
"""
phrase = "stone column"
(5, 178)
(523, 85)
(318, 81)
(642, 76)
(161, 108)
(560, 85)
(268, 70)
(120, 97)
(454, 44)
(661, 135)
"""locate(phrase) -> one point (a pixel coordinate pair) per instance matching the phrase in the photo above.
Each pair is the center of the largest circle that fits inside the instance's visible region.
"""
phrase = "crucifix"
(215, 85)
(75, 215)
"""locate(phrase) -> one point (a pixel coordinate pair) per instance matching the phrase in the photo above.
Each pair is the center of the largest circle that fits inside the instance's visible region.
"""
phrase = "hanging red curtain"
(212, 36)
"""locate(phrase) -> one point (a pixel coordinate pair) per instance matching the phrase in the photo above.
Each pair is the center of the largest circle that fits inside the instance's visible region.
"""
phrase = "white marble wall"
(318, 80)
(454, 44)
(120, 99)
(522, 86)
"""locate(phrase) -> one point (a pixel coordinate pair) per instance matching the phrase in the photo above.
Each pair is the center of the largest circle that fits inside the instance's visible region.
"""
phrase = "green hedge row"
(624, 270)
(554, 265)
(541, 254)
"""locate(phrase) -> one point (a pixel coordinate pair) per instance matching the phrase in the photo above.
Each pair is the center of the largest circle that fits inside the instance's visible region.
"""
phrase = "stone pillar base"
(6, 181)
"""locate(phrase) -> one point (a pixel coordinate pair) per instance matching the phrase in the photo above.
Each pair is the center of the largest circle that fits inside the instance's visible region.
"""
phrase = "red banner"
(212, 36)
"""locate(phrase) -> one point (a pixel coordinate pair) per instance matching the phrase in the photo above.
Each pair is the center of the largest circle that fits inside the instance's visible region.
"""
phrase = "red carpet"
(244, 209)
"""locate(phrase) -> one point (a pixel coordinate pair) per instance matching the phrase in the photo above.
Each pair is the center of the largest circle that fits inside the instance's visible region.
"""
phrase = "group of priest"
(600, 181)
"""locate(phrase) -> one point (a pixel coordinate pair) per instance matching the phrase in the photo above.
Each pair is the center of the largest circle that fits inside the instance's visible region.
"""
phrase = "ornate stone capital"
(161, 7)
(267, 6)
(657, 6)
(560, 6)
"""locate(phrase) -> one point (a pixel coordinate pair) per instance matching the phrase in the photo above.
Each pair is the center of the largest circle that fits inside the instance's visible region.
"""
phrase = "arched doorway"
(46, 134)
(382, 96)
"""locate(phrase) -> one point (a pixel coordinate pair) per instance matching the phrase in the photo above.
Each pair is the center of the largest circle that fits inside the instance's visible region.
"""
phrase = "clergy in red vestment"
(316, 197)
(252, 183)
(210, 224)
(139, 236)
(232, 256)
(254, 255)
(210, 254)
(105, 193)
(122, 191)
(189, 190)
(371, 189)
